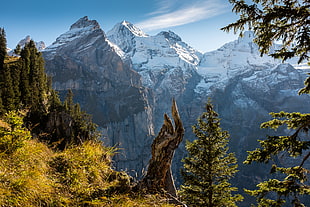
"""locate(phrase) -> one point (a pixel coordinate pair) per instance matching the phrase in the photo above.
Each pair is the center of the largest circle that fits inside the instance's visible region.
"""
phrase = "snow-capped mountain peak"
(135, 30)
(85, 22)
(82, 28)
(124, 34)
(39, 45)
(169, 35)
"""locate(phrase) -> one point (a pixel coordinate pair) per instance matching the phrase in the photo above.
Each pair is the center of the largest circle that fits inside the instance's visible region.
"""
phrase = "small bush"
(12, 133)
(83, 173)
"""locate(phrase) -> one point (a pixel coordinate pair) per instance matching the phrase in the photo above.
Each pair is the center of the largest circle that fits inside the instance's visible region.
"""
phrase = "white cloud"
(183, 15)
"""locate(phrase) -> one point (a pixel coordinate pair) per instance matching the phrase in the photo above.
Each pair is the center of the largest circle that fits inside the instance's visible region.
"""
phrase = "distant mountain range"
(126, 79)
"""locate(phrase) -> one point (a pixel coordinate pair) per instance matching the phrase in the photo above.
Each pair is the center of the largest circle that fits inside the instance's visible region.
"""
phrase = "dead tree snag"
(159, 176)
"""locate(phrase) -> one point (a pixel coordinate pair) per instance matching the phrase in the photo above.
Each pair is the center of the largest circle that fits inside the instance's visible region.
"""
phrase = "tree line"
(25, 86)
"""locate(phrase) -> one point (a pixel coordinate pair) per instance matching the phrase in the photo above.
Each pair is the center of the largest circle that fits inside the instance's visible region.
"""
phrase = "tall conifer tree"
(209, 166)
(7, 90)
(286, 21)
(24, 77)
(3, 52)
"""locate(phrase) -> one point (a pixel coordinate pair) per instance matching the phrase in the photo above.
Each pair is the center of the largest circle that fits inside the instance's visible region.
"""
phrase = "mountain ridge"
(127, 81)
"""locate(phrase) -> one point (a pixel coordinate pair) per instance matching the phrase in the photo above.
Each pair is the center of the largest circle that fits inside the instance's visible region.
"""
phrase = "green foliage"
(7, 89)
(287, 21)
(17, 50)
(34, 84)
(2, 47)
(306, 89)
(32, 174)
(272, 20)
(23, 164)
(12, 133)
(273, 145)
(296, 145)
(24, 85)
(209, 166)
(66, 124)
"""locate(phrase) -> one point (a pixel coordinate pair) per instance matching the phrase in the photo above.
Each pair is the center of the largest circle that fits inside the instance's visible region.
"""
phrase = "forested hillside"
(50, 154)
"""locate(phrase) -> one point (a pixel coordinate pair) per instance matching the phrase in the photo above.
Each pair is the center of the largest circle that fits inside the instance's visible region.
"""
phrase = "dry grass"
(32, 174)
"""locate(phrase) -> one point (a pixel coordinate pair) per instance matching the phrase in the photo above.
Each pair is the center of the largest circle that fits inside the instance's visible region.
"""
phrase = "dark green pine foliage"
(82, 126)
(15, 75)
(7, 90)
(272, 20)
(25, 90)
(276, 20)
(35, 95)
(3, 52)
(292, 185)
(24, 85)
(54, 102)
(209, 167)
(288, 21)
(17, 50)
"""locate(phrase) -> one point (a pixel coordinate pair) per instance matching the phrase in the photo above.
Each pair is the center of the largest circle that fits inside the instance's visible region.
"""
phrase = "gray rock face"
(83, 60)
(244, 88)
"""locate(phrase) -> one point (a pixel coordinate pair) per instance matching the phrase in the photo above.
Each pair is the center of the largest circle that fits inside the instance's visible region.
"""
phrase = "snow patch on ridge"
(82, 27)
(116, 49)
(69, 37)
(135, 30)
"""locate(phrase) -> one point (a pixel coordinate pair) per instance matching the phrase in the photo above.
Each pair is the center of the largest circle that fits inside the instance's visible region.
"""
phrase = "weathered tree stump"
(159, 176)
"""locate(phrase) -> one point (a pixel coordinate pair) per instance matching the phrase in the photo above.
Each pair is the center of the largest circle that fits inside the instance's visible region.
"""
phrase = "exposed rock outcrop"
(84, 61)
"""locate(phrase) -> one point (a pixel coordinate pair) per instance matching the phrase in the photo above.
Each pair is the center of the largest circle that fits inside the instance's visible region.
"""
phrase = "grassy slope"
(32, 174)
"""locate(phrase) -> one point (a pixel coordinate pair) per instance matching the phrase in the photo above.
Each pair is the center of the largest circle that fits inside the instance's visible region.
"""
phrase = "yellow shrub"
(82, 172)
(24, 176)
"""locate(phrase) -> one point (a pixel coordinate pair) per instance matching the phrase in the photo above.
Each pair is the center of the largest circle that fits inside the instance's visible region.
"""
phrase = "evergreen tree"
(288, 21)
(15, 71)
(82, 128)
(272, 20)
(2, 58)
(209, 166)
(54, 101)
(7, 90)
(3, 52)
(17, 50)
(68, 103)
(25, 85)
(33, 79)
(276, 192)
(24, 77)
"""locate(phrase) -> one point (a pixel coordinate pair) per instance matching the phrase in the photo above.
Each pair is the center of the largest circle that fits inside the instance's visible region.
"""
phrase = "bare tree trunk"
(159, 176)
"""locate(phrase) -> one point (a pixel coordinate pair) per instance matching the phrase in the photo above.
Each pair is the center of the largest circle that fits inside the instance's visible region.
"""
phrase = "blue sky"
(197, 22)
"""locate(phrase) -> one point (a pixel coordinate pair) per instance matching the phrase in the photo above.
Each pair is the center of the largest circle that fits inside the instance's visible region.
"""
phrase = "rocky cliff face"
(127, 80)
(244, 86)
(83, 60)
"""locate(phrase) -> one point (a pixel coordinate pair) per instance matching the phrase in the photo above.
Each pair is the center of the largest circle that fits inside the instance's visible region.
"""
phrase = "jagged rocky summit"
(39, 45)
(83, 60)
(126, 79)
